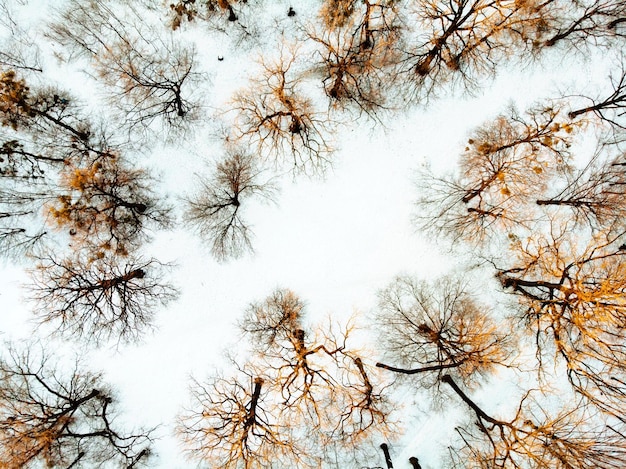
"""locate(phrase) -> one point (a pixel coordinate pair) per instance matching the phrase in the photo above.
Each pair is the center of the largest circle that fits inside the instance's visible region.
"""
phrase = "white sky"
(335, 242)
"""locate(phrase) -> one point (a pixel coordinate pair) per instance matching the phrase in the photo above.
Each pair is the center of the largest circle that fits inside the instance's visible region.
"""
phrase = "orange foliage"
(336, 13)
(99, 205)
(13, 99)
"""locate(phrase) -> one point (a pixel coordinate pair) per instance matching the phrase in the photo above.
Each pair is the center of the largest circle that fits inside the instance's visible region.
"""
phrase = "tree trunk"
(388, 461)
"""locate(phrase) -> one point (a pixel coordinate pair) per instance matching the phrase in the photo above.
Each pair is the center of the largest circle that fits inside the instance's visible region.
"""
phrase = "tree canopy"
(147, 149)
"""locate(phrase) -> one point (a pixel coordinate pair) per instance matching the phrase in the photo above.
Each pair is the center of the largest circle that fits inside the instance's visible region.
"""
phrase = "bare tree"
(595, 194)
(51, 121)
(571, 296)
(153, 87)
(463, 40)
(611, 108)
(356, 53)
(24, 190)
(17, 162)
(61, 420)
(19, 51)
(565, 237)
(231, 425)
(557, 243)
(100, 298)
(274, 320)
(435, 328)
(151, 77)
(19, 232)
(319, 379)
(49, 132)
(216, 210)
(583, 24)
(535, 438)
(507, 165)
(273, 116)
(106, 204)
(300, 393)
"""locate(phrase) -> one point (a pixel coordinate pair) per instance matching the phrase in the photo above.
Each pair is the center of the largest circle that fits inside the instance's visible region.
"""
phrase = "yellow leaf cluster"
(13, 99)
(80, 178)
(336, 13)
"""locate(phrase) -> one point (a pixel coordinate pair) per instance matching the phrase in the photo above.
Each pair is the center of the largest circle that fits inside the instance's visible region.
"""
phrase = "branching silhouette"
(583, 24)
(231, 424)
(534, 437)
(216, 211)
(356, 53)
(274, 116)
(107, 204)
(611, 108)
(572, 297)
(150, 76)
(437, 328)
(461, 41)
(507, 165)
(18, 51)
(101, 298)
(55, 419)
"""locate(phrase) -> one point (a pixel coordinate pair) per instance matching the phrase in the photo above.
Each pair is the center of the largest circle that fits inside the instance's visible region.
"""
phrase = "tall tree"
(583, 24)
(99, 298)
(507, 165)
(216, 210)
(594, 195)
(274, 116)
(571, 296)
(430, 329)
(558, 247)
(18, 51)
(107, 204)
(61, 420)
(461, 41)
(25, 188)
(609, 107)
(535, 437)
(300, 391)
(231, 425)
(151, 77)
(356, 53)
(321, 380)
